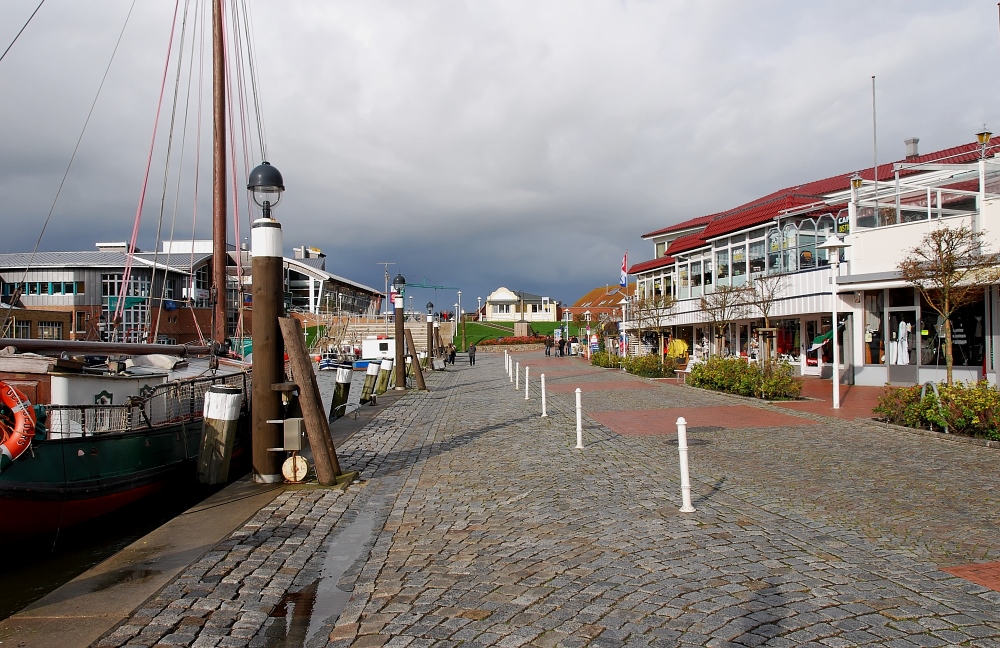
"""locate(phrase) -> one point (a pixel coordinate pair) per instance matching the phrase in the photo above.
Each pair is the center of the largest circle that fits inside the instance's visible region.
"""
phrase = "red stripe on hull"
(24, 517)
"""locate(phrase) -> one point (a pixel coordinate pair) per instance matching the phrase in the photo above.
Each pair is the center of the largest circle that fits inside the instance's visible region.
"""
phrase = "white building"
(503, 305)
(887, 335)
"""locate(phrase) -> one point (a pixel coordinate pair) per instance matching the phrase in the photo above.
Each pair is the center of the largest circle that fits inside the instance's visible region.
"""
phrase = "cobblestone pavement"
(490, 528)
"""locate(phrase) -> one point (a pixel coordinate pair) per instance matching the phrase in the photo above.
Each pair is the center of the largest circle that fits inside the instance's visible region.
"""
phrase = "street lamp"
(566, 316)
(460, 318)
(266, 186)
(430, 334)
(833, 245)
(983, 137)
(479, 310)
(398, 286)
(586, 316)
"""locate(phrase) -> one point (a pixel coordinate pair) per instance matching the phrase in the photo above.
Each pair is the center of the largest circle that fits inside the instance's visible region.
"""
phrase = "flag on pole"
(624, 280)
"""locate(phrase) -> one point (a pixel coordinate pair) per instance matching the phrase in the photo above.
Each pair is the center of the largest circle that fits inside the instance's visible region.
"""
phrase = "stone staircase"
(360, 329)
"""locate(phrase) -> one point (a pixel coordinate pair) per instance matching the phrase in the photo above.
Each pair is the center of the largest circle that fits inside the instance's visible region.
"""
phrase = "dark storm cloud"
(506, 143)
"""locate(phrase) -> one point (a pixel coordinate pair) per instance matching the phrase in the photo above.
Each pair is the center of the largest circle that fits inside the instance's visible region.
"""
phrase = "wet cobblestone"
(492, 529)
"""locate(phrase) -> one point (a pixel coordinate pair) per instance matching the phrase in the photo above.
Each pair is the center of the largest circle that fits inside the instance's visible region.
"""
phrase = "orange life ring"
(16, 437)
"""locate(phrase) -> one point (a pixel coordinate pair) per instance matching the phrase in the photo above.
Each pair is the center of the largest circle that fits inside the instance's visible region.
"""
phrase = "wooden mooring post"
(317, 425)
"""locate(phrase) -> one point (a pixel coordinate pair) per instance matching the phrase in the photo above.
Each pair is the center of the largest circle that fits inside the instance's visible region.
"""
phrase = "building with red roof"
(886, 334)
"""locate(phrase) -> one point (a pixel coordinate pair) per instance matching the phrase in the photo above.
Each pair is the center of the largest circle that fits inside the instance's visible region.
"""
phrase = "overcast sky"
(476, 144)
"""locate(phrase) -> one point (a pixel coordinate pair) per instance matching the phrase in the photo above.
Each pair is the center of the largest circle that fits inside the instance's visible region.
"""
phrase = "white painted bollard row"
(682, 450)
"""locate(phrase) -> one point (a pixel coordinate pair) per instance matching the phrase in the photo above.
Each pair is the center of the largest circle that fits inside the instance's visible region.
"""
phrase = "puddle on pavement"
(307, 611)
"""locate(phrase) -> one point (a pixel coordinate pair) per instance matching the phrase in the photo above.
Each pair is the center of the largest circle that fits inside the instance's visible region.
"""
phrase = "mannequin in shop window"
(902, 343)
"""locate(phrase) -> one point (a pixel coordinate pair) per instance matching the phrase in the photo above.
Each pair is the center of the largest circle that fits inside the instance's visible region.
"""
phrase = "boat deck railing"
(168, 404)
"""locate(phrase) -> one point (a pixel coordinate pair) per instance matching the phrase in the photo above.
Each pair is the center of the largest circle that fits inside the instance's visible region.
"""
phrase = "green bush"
(971, 409)
(647, 366)
(604, 359)
(737, 376)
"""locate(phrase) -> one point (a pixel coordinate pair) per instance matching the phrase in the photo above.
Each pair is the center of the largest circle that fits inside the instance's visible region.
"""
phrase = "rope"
(177, 190)
(69, 165)
(197, 163)
(252, 61)
(166, 171)
(23, 27)
(127, 275)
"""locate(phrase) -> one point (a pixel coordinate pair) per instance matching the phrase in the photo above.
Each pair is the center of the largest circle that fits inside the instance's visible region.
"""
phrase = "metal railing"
(167, 404)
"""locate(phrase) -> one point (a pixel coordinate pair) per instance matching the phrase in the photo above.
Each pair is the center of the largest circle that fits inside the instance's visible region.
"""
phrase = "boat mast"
(220, 253)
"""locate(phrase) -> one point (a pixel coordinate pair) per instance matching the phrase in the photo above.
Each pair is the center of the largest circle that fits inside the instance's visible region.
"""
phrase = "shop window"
(901, 348)
(683, 281)
(788, 344)
(756, 258)
(967, 336)
(707, 271)
(739, 265)
(874, 336)
(774, 251)
(722, 267)
(695, 278)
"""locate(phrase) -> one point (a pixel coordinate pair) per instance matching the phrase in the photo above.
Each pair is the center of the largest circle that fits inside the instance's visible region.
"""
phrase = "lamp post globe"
(266, 186)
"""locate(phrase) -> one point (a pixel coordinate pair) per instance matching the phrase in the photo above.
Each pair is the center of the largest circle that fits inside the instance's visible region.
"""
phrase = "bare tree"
(762, 292)
(951, 270)
(722, 307)
(648, 313)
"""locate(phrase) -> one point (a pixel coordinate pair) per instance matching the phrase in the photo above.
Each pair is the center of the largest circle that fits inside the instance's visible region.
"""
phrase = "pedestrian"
(451, 354)
(548, 345)
(562, 347)
(472, 354)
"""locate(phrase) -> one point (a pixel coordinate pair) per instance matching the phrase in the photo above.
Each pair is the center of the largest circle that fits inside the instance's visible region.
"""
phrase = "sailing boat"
(76, 441)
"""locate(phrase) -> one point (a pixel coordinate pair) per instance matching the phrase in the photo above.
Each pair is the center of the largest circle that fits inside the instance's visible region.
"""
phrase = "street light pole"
(430, 336)
(834, 244)
(461, 319)
(266, 187)
(398, 285)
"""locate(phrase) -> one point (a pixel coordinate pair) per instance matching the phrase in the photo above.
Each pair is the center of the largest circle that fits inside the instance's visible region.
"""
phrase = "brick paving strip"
(491, 529)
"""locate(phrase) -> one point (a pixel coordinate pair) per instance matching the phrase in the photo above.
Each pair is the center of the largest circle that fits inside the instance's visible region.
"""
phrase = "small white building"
(503, 305)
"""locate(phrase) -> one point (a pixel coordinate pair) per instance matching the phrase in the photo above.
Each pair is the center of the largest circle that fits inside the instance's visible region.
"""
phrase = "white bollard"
(517, 376)
(526, 369)
(510, 370)
(682, 449)
(579, 420)
(543, 397)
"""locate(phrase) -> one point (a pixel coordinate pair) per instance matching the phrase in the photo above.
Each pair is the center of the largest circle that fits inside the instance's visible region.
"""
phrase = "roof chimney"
(911, 148)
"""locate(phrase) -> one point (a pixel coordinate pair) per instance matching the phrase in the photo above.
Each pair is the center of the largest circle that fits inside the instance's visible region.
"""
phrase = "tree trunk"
(948, 359)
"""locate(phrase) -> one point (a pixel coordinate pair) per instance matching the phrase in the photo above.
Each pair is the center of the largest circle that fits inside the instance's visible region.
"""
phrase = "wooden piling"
(317, 425)
(418, 374)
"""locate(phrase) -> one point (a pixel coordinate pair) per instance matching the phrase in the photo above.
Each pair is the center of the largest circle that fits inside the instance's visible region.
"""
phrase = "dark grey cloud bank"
(509, 143)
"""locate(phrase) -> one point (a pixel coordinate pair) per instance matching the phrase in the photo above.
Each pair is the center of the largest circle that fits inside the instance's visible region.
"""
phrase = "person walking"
(451, 354)
(548, 345)
(472, 354)
(562, 347)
